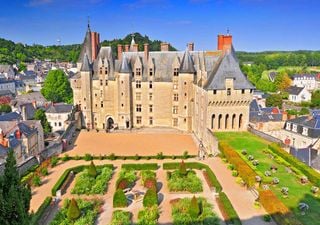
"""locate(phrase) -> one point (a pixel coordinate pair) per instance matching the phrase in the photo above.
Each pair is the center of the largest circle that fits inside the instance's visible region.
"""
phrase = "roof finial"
(132, 42)
(228, 31)
(88, 22)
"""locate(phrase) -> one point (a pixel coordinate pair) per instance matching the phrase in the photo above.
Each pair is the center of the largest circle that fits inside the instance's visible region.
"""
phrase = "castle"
(192, 91)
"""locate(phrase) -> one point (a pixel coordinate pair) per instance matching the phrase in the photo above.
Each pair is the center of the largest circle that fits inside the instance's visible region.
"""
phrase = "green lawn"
(297, 192)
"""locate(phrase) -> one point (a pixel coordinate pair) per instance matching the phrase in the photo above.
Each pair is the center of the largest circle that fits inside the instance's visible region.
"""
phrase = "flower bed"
(148, 216)
(126, 179)
(120, 217)
(86, 184)
(200, 213)
(88, 213)
(189, 182)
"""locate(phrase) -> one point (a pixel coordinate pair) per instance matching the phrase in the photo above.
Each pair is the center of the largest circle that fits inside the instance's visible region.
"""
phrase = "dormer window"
(229, 91)
(305, 131)
(138, 71)
(294, 127)
(288, 127)
(175, 72)
(151, 72)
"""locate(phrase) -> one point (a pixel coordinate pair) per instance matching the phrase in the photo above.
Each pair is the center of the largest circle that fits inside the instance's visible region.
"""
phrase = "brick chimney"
(224, 42)
(284, 116)
(146, 51)
(18, 134)
(120, 52)
(95, 41)
(126, 47)
(164, 46)
(191, 46)
(135, 47)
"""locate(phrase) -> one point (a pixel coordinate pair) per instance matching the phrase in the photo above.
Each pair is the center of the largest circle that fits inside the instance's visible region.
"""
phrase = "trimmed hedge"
(198, 166)
(228, 210)
(279, 212)
(245, 171)
(65, 174)
(150, 198)
(312, 175)
(145, 166)
(37, 216)
(119, 199)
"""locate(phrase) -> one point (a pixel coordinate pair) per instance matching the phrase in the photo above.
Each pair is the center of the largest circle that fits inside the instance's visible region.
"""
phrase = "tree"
(73, 210)
(315, 98)
(274, 101)
(56, 87)
(5, 108)
(194, 209)
(92, 171)
(40, 115)
(150, 198)
(282, 81)
(14, 197)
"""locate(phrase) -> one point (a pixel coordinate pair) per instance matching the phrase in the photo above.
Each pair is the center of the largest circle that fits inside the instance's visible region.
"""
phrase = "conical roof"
(86, 46)
(86, 65)
(125, 66)
(187, 64)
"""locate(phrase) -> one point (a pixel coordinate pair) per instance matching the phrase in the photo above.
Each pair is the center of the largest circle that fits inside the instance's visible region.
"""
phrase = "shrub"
(87, 157)
(190, 182)
(146, 174)
(275, 180)
(54, 161)
(227, 209)
(144, 166)
(112, 156)
(183, 169)
(150, 198)
(77, 157)
(44, 171)
(148, 216)
(122, 183)
(119, 199)
(120, 217)
(65, 158)
(255, 162)
(267, 173)
(235, 173)
(185, 155)
(150, 183)
(312, 175)
(160, 155)
(92, 171)
(285, 190)
(267, 218)
(314, 189)
(36, 181)
(194, 209)
(136, 157)
(244, 152)
(230, 167)
(73, 210)
(126, 178)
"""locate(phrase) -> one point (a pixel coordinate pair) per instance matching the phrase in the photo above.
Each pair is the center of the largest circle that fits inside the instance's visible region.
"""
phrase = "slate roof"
(305, 155)
(5, 81)
(313, 125)
(187, 64)
(125, 67)
(304, 76)
(86, 65)
(29, 110)
(26, 130)
(258, 114)
(228, 67)
(12, 116)
(60, 108)
(86, 47)
(30, 97)
(272, 76)
(294, 90)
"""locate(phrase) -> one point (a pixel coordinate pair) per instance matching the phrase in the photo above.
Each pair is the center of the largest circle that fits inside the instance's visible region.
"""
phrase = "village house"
(305, 80)
(58, 114)
(298, 94)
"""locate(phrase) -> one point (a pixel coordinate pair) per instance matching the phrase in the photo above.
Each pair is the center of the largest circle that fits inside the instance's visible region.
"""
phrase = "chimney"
(18, 134)
(126, 47)
(284, 116)
(164, 46)
(191, 46)
(94, 44)
(146, 51)
(119, 52)
(224, 42)
(1, 134)
(135, 47)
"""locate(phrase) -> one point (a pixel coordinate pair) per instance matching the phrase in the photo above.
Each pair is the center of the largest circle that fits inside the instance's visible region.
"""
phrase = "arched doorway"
(110, 123)
(226, 124)
(219, 121)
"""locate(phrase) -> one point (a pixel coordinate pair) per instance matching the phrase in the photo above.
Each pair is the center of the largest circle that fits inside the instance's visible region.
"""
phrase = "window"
(106, 82)
(138, 71)
(84, 99)
(294, 127)
(229, 91)
(175, 72)
(96, 94)
(185, 94)
(150, 121)
(101, 104)
(175, 122)
(214, 92)
(122, 105)
(150, 72)
(139, 119)
(138, 83)
(59, 124)
(151, 108)
(175, 109)
(175, 97)
(175, 85)
(96, 105)
(138, 108)
(122, 82)
(121, 93)
(106, 71)
(150, 84)
(150, 96)
(305, 131)
(138, 96)
(185, 83)
(242, 91)
(185, 107)
(101, 82)
(55, 124)
(288, 127)
(185, 120)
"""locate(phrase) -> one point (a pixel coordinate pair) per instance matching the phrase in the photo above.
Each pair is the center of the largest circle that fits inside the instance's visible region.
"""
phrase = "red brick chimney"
(18, 134)
(120, 52)
(224, 42)
(191, 46)
(164, 46)
(146, 51)
(95, 41)
(126, 48)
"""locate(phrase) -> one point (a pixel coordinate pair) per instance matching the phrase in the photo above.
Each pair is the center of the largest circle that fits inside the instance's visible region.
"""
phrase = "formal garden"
(286, 185)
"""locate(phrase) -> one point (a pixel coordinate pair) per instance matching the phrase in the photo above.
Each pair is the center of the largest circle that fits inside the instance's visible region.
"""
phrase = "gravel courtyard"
(128, 144)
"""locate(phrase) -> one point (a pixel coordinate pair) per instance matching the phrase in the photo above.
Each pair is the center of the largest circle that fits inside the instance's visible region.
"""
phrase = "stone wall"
(265, 136)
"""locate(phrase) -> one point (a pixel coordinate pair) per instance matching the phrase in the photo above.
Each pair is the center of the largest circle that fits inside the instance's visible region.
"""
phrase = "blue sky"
(256, 25)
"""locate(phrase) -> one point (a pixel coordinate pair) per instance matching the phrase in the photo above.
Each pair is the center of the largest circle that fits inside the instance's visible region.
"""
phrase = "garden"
(293, 183)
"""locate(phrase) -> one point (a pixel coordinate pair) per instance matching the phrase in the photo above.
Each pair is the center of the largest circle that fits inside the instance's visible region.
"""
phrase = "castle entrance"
(110, 123)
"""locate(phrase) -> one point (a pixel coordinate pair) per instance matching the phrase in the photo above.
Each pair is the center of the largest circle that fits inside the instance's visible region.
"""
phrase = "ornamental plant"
(73, 210)
(183, 169)
(314, 189)
(275, 180)
(194, 209)
(92, 170)
(150, 198)
(119, 199)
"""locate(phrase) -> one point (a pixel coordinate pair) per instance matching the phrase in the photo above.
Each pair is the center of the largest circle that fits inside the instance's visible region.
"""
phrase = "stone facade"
(192, 91)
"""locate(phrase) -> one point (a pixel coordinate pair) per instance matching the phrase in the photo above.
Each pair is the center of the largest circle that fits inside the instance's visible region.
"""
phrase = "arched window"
(233, 120)
(226, 122)
(219, 121)
(240, 121)
(212, 121)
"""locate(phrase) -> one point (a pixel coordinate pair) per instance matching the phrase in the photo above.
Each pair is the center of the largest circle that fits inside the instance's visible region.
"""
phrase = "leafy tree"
(92, 171)
(56, 87)
(14, 197)
(315, 98)
(274, 100)
(194, 209)
(282, 81)
(73, 210)
(5, 108)
(40, 115)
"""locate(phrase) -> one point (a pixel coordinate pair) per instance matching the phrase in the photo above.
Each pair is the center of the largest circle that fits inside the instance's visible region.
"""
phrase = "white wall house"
(299, 94)
(58, 114)
(8, 85)
(305, 80)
